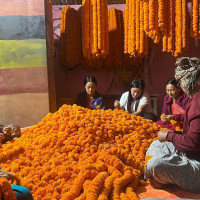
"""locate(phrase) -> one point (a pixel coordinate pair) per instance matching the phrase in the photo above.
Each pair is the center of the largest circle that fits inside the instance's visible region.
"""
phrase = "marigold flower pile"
(78, 153)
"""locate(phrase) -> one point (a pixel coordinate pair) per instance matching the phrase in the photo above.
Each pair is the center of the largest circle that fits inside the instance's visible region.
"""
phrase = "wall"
(158, 68)
(23, 63)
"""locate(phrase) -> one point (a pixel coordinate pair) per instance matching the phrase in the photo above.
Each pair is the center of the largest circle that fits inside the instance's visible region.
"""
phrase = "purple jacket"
(182, 101)
(189, 141)
(82, 100)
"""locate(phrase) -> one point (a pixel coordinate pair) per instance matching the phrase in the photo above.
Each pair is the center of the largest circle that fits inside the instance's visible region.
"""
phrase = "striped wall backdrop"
(23, 62)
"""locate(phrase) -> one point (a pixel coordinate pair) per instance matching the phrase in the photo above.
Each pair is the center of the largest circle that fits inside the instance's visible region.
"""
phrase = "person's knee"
(150, 116)
(154, 167)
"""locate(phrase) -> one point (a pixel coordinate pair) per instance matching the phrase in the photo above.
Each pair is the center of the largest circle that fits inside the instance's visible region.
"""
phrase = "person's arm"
(123, 101)
(101, 103)
(179, 117)
(142, 104)
(187, 142)
(190, 140)
(139, 110)
(165, 108)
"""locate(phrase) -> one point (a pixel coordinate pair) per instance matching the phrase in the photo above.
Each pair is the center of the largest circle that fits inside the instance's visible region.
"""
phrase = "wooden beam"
(50, 67)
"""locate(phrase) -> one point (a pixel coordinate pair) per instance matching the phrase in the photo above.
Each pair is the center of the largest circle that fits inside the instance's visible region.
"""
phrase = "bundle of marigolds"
(78, 153)
(70, 37)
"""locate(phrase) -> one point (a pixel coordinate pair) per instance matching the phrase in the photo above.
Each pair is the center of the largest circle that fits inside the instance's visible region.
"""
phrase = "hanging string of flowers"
(178, 28)
(95, 33)
(176, 38)
(115, 27)
(135, 22)
(171, 37)
(195, 25)
(153, 17)
(185, 27)
(70, 37)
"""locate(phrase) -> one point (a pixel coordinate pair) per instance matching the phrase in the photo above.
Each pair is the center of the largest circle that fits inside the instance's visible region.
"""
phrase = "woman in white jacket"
(136, 101)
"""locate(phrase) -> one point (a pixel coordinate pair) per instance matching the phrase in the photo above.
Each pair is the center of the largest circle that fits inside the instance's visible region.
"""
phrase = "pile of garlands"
(77, 153)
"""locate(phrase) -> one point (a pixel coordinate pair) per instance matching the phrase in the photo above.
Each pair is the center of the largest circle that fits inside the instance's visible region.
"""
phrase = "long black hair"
(88, 79)
(138, 83)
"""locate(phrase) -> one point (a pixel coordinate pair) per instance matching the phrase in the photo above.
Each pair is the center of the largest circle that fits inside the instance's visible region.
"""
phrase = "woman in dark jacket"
(90, 98)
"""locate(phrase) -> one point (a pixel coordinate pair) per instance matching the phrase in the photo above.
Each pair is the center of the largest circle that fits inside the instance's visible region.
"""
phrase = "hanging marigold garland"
(135, 39)
(195, 25)
(175, 39)
(185, 25)
(178, 28)
(94, 28)
(70, 34)
(153, 18)
(115, 27)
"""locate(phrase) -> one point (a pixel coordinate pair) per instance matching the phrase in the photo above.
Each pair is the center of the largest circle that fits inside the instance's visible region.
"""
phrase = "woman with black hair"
(174, 105)
(90, 98)
(137, 101)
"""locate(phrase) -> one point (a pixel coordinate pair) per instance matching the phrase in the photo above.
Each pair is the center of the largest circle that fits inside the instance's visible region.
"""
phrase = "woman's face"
(136, 92)
(90, 88)
(173, 91)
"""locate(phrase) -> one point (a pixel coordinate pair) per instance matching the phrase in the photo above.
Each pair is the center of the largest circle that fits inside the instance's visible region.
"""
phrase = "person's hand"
(116, 104)
(162, 135)
(9, 176)
(167, 118)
